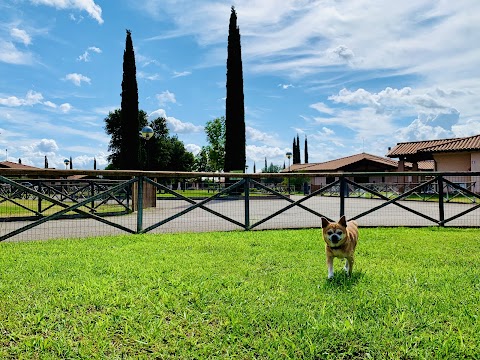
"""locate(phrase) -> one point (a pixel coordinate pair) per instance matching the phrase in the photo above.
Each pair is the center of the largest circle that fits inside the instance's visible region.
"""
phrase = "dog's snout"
(335, 238)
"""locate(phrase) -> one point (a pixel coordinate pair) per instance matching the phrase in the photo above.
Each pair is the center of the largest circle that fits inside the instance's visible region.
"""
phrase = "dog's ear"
(325, 222)
(343, 221)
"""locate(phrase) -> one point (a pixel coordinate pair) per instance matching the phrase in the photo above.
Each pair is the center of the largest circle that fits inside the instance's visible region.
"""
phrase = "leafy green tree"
(165, 152)
(201, 160)
(129, 148)
(162, 152)
(215, 130)
(113, 127)
(271, 170)
(235, 143)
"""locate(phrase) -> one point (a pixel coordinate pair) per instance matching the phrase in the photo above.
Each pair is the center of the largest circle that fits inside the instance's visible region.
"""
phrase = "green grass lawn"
(414, 294)
(9, 209)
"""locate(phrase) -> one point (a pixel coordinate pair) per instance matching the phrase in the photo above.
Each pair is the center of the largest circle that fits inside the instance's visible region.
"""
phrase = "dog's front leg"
(330, 266)
(349, 265)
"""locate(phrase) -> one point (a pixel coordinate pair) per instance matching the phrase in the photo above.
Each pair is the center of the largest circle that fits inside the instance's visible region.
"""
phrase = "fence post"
(343, 183)
(247, 203)
(139, 204)
(441, 208)
(39, 201)
(92, 194)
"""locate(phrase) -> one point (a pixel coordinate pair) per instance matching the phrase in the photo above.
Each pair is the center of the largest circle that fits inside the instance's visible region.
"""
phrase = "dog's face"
(334, 233)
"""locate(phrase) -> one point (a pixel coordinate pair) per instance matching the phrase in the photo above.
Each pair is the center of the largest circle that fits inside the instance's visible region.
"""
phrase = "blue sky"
(352, 76)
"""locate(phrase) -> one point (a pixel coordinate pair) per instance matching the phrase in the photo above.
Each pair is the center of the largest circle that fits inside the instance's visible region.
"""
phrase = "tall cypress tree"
(294, 151)
(235, 155)
(299, 160)
(129, 124)
(306, 150)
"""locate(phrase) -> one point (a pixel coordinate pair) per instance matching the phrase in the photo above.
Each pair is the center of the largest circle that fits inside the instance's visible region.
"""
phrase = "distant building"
(455, 154)
(362, 162)
(13, 165)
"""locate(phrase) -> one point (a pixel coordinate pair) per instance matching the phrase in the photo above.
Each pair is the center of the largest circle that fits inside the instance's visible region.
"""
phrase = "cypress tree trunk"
(129, 149)
(235, 109)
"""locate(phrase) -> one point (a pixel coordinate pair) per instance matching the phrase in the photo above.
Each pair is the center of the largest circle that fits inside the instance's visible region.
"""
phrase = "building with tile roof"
(362, 162)
(13, 165)
(455, 154)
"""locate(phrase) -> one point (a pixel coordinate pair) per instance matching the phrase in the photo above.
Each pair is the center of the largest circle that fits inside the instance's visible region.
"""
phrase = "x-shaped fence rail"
(57, 199)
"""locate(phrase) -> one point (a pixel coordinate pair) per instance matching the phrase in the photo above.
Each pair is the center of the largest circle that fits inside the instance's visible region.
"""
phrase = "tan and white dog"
(340, 242)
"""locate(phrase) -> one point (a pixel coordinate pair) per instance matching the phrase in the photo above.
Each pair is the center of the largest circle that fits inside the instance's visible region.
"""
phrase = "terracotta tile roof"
(340, 164)
(429, 146)
(461, 144)
(297, 167)
(12, 165)
(428, 165)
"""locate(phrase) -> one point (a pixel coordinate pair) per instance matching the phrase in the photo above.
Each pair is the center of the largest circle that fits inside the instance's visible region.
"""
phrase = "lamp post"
(288, 155)
(146, 133)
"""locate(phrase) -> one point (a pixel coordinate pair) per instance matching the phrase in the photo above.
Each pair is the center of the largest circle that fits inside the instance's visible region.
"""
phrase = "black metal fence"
(46, 204)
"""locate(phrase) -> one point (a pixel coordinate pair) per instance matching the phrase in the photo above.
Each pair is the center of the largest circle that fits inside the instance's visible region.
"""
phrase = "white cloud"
(285, 86)
(181, 74)
(321, 107)
(469, 128)
(77, 79)
(86, 54)
(21, 35)
(144, 75)
(166, 97)
(429, 126)
(259, 153)
(95, 49)
(325, 132)
(193, 148)
(31, 98)
(11, 55)
(46, 146)
(94, 10)
(84, 57)
(257, 135)
(301, 38)
(342, 52)
(50, 104)
(175, 125)
(157, 113)
(180, 127)
(360, 122)
(65, 108)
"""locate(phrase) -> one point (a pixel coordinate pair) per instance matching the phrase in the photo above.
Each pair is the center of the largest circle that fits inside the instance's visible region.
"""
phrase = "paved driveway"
(199, 220)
